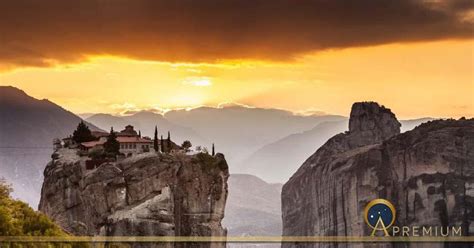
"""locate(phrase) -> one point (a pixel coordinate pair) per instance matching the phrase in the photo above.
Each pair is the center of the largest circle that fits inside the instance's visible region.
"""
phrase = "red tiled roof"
(92, 143)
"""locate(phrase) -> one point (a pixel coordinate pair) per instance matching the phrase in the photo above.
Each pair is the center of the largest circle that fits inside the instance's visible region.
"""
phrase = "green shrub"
(17, 218)
(96, 153)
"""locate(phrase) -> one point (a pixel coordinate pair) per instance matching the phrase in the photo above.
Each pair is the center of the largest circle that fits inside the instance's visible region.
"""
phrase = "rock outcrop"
(144, 195)
(427, 173)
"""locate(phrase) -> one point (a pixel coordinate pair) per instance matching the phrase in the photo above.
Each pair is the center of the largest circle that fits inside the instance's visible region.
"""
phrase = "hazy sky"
(415, 57)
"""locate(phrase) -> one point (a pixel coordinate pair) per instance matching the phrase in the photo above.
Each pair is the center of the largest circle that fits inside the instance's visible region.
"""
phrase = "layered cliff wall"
(427, 173)
(145, 195)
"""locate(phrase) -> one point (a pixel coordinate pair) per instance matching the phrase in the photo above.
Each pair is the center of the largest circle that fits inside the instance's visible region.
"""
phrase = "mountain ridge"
(253, 207)
(236, 131)
(27, 129)
(276, 161)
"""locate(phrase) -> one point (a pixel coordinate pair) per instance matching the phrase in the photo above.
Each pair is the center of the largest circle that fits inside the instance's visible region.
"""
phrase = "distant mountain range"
(264, 143)
(146, 122)
(27, 129)
(253, 207)
(277, 161)
(29, 122)
(237, 131)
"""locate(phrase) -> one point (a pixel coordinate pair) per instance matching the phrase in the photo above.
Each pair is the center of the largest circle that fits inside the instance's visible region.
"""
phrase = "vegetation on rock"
(186, 145)
(18, 219)
(155, 139)
(112, 146)
(82, 133)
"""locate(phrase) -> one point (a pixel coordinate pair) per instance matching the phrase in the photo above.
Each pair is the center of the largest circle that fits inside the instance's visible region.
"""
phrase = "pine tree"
(140, 133)
(213, 150)
(168, 142)
(162, 144)
(112, 146)
(82, 133)
(155, 139)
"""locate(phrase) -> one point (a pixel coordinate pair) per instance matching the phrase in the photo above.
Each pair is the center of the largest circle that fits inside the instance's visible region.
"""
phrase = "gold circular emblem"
(382, 202)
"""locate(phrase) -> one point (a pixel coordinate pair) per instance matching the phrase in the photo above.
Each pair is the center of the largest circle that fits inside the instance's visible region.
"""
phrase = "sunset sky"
(91, 56)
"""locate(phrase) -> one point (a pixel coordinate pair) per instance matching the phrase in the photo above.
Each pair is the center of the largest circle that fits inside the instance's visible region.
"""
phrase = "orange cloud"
(44, 33)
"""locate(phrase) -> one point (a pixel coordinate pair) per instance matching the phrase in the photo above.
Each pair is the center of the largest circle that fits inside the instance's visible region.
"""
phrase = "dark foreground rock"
(427, 173)
(146, 195)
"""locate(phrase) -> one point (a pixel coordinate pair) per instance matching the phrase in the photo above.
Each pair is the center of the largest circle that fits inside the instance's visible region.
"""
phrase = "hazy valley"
(263, 143)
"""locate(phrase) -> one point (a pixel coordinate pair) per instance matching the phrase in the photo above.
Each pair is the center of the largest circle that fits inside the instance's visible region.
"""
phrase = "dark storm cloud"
(35, 32)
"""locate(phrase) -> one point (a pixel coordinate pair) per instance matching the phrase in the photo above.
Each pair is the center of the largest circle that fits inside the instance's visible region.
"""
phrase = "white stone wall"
(127, 148)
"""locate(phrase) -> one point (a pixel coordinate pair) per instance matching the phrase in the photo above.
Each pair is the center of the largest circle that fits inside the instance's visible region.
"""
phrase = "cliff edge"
(427, 173)
(145, 195)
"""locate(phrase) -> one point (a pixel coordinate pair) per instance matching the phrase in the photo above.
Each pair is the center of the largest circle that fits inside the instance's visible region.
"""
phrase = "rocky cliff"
(427, 173)
(145, 195)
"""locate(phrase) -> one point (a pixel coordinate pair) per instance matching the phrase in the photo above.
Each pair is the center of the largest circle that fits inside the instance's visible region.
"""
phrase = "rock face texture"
(427, 173)
(145, 195)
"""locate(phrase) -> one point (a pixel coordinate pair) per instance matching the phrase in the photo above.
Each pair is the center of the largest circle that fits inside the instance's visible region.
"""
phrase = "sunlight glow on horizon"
(432, 79)
(198, 81)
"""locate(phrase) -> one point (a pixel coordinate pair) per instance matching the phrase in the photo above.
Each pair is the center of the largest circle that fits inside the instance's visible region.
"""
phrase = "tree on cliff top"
(155, 139)
(162, 144)
(18, 219)
(186, 145)
(82, 133)
(112, 146)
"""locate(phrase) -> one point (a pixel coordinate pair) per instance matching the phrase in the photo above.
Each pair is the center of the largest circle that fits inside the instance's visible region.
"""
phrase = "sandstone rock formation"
(427, 173)
(145, 195)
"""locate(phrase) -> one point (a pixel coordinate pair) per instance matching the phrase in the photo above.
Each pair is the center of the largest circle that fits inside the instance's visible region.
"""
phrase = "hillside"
(27, 129)
(239, 131)
(275, 162)
(145, 122)
(29, 122)
(253, 207)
